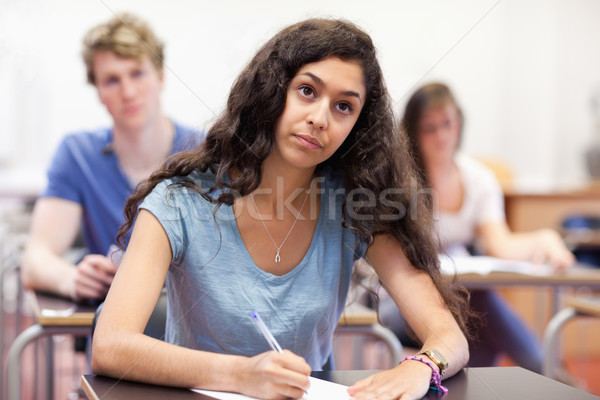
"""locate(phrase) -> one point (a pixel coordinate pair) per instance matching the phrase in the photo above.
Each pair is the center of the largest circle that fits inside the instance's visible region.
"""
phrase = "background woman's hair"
(374, 160)
(431, 96)
(127, 36)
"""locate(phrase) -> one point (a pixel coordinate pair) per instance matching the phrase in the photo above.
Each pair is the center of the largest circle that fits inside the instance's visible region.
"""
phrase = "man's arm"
(54, 228)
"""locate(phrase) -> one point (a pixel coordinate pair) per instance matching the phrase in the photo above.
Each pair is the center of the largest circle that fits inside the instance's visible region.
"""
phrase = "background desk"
(53, 316)
(529, 211)
(536, 299)
(577, 276)
(501, 383)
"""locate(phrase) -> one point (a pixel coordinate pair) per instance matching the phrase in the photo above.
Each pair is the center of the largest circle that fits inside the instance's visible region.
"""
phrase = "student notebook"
(319, 390)
(483, 265)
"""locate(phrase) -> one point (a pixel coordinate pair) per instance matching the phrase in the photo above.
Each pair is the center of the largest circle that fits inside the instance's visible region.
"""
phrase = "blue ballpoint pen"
(266, 332)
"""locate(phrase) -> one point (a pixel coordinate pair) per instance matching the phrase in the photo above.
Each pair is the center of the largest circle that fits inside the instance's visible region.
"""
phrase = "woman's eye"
(345, 108)
(307, 91)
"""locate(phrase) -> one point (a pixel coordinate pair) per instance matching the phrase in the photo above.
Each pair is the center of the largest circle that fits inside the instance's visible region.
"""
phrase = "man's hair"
(127, 36)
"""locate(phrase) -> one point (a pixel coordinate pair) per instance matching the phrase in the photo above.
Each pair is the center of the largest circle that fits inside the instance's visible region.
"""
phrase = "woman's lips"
(308, 142)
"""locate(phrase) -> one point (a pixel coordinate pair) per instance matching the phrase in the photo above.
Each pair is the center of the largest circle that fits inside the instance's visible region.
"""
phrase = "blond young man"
(93, 173)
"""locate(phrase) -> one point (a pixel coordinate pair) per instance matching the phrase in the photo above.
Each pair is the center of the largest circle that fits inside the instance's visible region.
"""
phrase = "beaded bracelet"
(436, 379)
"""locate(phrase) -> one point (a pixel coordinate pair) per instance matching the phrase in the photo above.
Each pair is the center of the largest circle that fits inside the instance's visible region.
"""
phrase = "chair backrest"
(501, 170)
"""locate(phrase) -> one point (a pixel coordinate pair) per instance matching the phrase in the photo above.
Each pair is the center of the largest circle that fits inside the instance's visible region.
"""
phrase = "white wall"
(524, 71)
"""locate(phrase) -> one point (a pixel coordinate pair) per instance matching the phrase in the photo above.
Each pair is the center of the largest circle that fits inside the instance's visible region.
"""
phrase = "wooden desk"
(587, 306)
(529, 211)
(54, 316)
(578, 276)
(499, 383)
(546, 291)
(575, 307)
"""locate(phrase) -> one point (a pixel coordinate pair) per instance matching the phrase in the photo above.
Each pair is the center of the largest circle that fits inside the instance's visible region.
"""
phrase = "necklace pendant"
(277, 257)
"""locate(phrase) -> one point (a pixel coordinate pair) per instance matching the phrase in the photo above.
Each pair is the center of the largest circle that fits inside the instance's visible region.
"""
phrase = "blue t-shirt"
(214, 285)
(85, 170)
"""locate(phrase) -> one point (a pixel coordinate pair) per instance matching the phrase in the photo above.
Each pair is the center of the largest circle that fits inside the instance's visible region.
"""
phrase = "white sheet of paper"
(319, 389)
(484, 265)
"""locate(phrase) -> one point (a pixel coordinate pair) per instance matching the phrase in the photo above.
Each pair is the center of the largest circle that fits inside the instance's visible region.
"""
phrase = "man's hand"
(94, 275)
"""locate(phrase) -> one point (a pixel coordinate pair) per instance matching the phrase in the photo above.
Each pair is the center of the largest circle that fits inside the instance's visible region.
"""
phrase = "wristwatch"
(437, 358)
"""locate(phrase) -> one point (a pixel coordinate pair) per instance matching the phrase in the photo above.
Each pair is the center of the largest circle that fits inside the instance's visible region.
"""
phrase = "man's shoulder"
(187, 137)
(89, 141)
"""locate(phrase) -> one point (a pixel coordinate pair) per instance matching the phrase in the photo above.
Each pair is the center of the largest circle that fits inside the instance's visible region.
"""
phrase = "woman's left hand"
(407, 381)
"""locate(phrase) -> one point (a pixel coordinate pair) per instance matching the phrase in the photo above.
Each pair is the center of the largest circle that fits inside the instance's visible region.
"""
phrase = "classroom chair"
(502, 171)
(361, 322)
(575, 307)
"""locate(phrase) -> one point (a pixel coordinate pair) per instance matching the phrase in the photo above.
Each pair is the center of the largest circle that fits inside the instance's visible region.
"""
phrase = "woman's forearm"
(137, 357)
(453, 346)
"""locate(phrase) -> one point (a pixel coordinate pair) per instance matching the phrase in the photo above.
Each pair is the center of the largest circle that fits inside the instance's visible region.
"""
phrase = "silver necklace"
(277, 256)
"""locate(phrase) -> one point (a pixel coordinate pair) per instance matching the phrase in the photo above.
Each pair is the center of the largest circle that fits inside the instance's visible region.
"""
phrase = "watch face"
(440, 357)
(437, 358)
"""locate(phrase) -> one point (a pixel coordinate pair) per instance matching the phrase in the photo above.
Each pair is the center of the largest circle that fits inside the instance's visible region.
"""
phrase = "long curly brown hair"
(373, 158)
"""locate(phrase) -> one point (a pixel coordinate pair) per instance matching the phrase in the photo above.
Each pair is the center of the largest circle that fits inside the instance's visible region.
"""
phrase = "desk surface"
(578, 275)
(498, 383)
(589, 306)
(57, 311)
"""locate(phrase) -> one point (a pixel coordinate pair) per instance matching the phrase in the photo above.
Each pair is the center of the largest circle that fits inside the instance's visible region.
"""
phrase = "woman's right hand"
(272, 376)
(550, 248)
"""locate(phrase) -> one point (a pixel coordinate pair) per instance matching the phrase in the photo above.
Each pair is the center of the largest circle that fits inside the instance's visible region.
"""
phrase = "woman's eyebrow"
(320, 82)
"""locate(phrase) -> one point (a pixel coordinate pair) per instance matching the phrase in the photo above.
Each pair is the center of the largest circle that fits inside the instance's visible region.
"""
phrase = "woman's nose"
(318, 115)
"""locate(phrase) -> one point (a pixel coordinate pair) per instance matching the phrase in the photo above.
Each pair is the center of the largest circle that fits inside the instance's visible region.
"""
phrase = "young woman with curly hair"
(301, 175)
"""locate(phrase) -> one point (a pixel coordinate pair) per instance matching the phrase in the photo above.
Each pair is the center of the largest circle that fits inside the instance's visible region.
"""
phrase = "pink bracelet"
(436, 379)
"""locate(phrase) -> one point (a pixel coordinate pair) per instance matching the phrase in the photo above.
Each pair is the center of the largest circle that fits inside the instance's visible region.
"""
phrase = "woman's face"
(438, 133)
(323, 103)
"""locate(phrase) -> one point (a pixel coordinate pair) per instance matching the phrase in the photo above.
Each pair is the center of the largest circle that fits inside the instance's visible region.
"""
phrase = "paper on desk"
(319, 390)
(484, 265)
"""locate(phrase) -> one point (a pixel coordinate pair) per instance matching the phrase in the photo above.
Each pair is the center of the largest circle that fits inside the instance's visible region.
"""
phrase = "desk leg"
(12, 268)
(552, 348)
(13, 365)
(49, 368)
(557, 296)
(2, 324)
